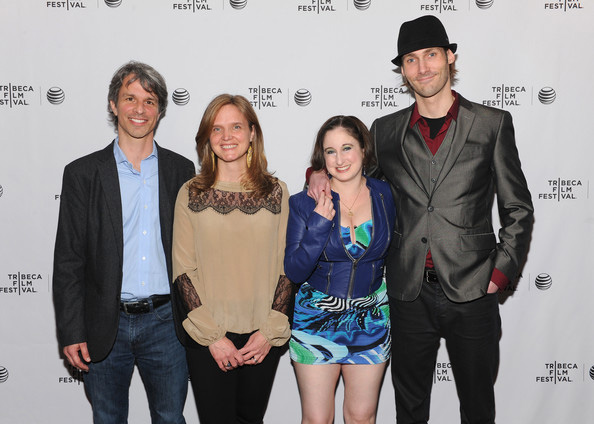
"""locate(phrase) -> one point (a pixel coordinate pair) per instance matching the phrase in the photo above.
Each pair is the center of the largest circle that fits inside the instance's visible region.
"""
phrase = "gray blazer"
(88, 255)
(444, 202)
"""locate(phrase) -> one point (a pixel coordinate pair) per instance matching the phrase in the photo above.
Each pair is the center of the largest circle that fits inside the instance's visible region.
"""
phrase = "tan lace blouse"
(228, 251)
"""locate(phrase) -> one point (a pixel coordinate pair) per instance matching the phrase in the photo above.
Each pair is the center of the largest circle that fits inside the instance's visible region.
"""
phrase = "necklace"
(350, 212)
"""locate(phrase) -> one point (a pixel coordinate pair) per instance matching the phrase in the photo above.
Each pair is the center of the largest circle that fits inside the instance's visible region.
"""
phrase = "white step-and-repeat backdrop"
(300, 62)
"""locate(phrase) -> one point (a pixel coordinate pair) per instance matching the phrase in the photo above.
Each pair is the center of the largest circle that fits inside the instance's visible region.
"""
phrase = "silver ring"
(228, 365)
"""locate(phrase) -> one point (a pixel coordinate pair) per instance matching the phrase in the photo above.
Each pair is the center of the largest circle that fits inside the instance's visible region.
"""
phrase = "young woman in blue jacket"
(336, 250)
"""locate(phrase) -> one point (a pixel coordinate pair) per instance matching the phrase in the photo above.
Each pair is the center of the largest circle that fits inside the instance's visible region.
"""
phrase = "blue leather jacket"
(315, 251)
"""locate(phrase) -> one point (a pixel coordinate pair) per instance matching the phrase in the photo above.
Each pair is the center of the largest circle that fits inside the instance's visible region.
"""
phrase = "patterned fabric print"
(362, 235)
(329, 330)
(227, 201)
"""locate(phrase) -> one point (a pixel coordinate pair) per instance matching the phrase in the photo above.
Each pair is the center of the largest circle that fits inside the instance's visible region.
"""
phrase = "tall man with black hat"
(445, 158)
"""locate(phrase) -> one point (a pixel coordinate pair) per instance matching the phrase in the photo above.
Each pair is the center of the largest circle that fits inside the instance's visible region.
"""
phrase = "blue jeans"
(149, 341)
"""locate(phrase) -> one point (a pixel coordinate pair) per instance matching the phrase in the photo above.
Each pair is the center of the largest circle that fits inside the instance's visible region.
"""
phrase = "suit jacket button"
(430, 208)
(424, 239)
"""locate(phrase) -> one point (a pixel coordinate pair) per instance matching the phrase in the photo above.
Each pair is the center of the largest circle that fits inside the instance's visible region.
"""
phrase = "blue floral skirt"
(331, 330)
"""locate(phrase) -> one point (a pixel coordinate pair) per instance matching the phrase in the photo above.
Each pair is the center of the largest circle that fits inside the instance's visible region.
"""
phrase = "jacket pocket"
(485, 241)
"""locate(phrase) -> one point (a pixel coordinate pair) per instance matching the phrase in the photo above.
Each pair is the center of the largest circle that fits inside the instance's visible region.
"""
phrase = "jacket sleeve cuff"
(499, 278)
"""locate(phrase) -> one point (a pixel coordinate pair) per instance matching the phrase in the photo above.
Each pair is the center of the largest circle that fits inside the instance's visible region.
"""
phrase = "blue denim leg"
(148, 340)
(161, 360)
(107, 383)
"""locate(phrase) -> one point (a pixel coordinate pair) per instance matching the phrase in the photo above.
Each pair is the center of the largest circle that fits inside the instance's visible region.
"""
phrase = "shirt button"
(144, 233)
(430, 209)
(424, 239)
(144, 258)
(433, 180)
(142, 283)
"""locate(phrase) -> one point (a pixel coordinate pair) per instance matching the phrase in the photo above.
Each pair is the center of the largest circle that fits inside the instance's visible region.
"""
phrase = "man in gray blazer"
(445, 158)
(112, 259)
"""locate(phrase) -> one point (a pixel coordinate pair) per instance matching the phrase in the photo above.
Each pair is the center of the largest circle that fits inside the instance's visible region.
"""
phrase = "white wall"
(509, 52)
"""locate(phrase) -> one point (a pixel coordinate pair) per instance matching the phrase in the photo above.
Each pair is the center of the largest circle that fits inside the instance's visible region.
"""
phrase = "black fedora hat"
(422, 33)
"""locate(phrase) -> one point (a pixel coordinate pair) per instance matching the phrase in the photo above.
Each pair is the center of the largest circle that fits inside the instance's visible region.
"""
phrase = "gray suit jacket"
(444, 202)
(88, 255)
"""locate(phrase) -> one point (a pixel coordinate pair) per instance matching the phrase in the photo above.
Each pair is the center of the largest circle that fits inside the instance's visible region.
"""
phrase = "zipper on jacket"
(356, 261)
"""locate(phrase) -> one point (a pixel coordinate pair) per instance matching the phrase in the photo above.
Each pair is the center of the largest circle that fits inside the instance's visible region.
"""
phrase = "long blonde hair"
(257, 178)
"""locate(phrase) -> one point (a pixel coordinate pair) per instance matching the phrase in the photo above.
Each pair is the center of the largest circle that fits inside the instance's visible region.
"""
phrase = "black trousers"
(237, 396)
(471, 331)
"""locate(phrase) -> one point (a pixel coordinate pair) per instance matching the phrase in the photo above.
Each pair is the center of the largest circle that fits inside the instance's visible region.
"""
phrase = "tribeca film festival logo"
(442, 373)
(193, 5)
(563, 5)
(317, 6)
(561, 372)
(74, 376)
(439, 6)
(506, 95)
(13, 95)
(65, 5)
(384, 97)
(21, 283)
(561, 189)
(271, 97)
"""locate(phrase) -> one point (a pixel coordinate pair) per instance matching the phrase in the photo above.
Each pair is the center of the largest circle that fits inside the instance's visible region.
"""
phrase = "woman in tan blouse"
(228, 247)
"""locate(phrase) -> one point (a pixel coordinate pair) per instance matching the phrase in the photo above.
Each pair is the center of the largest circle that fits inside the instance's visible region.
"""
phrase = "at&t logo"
(180, 96)
(543, 281)
(3, 374)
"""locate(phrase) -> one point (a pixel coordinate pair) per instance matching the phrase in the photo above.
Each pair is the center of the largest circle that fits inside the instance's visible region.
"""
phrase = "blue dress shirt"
(145, 269)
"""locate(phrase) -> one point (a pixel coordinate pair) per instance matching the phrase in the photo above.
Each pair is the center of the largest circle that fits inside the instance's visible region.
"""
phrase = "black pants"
(237, 396)
(471, 331)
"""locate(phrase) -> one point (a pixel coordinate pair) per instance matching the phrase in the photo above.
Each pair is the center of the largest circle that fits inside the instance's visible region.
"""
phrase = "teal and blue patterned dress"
(332, 330)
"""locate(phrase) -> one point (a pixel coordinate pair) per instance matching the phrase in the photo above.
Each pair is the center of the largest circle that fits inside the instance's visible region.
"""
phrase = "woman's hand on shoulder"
(325, 207)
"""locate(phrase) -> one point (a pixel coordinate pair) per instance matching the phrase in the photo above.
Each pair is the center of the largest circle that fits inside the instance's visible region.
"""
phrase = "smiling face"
(137, 111)
(427, 71)
(231, 135)
(343, 155)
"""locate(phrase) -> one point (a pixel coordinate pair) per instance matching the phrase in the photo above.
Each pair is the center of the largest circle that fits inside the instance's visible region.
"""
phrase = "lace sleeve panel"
(187, 295)
(283, 296)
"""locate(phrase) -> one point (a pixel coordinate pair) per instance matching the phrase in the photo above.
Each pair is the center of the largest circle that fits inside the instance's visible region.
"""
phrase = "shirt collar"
(452, 113)
(120, 157)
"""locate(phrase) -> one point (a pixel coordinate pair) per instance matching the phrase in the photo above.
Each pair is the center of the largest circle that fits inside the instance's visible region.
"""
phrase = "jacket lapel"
(166, 202)
(108, 174)
(404, 143)
(461, 130)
